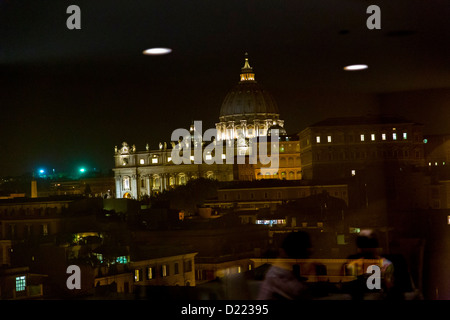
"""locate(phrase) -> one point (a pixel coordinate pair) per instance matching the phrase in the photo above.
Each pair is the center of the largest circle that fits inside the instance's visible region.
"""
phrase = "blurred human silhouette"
(282, 282)
(368, 248)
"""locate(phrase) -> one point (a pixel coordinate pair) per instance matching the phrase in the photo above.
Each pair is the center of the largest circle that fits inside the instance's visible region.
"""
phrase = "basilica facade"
(248, 113)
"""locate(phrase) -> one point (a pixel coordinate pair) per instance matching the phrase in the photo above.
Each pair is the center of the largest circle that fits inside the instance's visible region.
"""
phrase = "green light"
(82, 170)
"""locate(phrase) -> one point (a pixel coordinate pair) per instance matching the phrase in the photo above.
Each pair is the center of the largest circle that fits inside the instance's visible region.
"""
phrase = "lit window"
(164, 271)
(45, 229)
(329, 138)
(150, 273)
(394, 136)
(99, 256)
(318, 139)
(353, 173)
(405, 135)
(448, 219)
(122, 260)
(383, 136)
(137, 275)
(372, 137)
(20, 283)
(341, 239)
(362, 137)
(142, 161)
(155, 160)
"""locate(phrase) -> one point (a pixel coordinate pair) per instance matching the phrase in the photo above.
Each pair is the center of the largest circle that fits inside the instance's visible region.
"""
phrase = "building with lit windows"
(339, 148)
(248, 113)
(270, 194)
(19, 283)
(437, 151)
(176, 270)
(23, 218)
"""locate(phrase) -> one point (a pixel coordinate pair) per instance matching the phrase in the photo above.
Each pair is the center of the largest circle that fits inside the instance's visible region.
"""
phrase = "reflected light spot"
(157, 51)
(355, 67)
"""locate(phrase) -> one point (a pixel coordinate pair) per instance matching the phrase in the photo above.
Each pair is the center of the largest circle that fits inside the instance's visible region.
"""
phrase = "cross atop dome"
(247, 71)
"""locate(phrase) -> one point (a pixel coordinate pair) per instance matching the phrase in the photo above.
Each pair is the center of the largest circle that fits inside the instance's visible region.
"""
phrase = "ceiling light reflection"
(356, 67)
(157, 51)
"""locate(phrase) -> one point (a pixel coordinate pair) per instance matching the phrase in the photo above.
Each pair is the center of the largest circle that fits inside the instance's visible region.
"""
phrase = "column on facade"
(256, 126)
(173, 178)
(164, 181)
(119, 187)
(161, 182)
(267, 124)
(151, 183)
(134, 186)
(218, 131)
(224, 131)
(149, 186)
(244, 128)
(230, 130)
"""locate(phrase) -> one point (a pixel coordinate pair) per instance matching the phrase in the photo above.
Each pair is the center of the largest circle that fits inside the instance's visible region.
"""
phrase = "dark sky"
(67, 97)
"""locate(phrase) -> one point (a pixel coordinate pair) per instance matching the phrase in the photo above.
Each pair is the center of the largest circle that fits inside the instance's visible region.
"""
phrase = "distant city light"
(157, 51)
(82, 170)
(425, 140)
(356, 67)
(41, 171)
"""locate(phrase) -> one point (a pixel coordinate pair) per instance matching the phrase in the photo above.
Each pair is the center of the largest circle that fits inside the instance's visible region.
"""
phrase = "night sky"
(67, 97)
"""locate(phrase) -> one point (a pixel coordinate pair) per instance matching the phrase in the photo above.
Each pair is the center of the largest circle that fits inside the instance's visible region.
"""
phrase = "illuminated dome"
(248, 99)
(248, 109)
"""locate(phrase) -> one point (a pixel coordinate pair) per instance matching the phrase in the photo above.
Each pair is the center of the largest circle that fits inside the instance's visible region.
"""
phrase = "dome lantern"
(247, 71)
